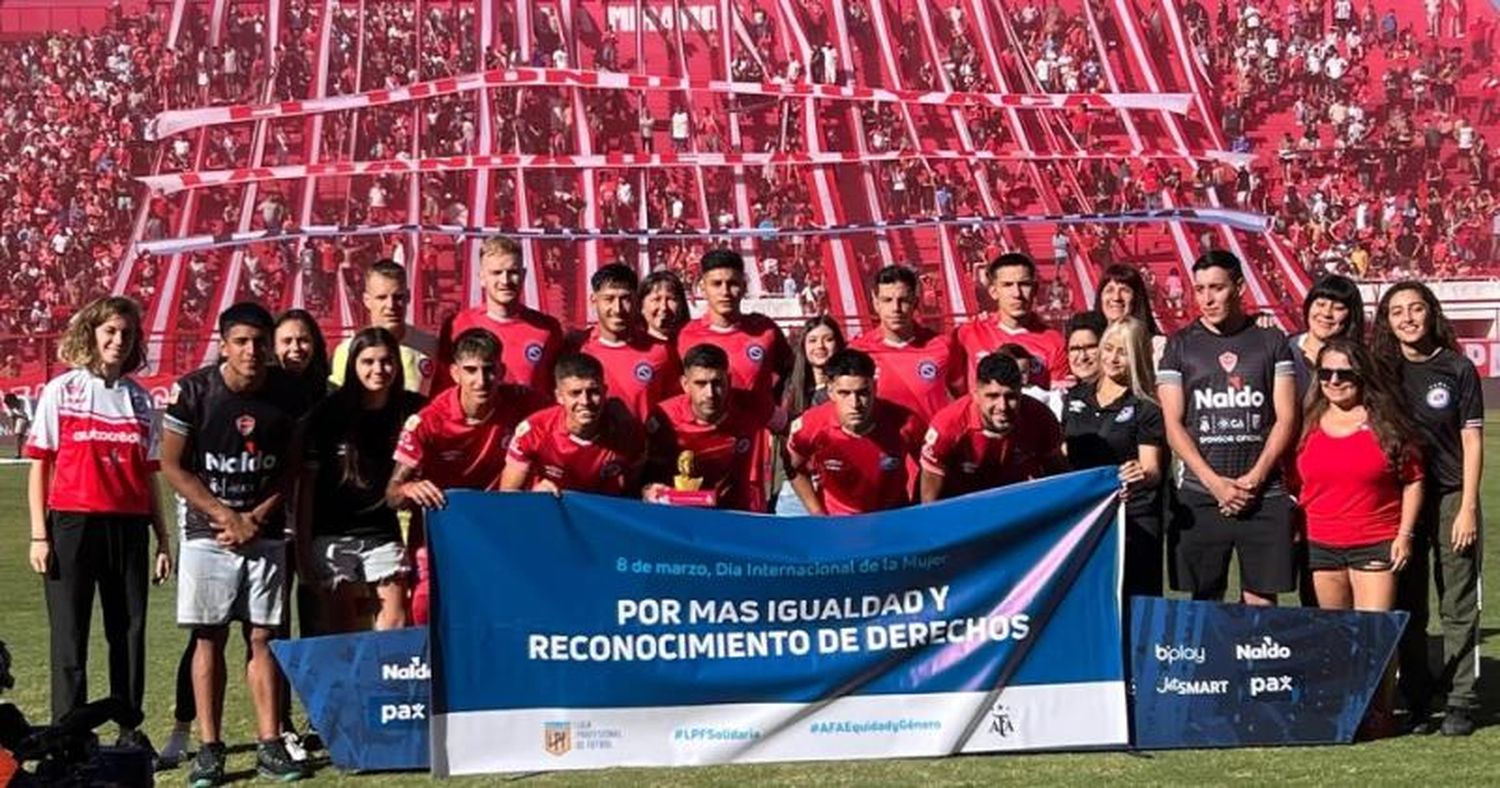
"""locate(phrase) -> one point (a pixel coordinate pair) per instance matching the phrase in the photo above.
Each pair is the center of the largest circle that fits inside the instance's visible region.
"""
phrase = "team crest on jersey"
(1126, 414)
(755, 353)
(521, 430)
(889, 463)
(1228, 361)
(534, 352)
(932, 437)
(610, 470)
(1076, 405)
(424, 367)
(644, 372)
(245, 424)
(833, 466)
(742, 446)
(1438, 397)
(927, 370)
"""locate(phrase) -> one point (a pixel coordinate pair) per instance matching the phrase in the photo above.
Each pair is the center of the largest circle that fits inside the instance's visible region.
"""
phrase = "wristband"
(38, 538)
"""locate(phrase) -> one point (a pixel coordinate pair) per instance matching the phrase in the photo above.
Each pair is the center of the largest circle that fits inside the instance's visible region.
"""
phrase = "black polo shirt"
(1113, 434)
(1445, 398)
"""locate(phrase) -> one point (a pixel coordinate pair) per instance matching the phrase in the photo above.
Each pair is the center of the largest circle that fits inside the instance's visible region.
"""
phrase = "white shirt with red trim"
(101, 442)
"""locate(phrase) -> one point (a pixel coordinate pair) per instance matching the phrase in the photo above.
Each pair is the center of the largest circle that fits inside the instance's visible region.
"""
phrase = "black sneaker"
(1457, 722)
(1419, 722)
(137, 740)
(208, 766)
(273, 762)
(311, 741)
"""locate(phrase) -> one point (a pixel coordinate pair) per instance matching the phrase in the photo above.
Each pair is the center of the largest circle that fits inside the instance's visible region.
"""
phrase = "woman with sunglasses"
(1361, 489)
(1414, 342)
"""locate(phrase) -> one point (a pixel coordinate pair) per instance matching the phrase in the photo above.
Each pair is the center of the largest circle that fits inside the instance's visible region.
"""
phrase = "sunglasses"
(1335, 375)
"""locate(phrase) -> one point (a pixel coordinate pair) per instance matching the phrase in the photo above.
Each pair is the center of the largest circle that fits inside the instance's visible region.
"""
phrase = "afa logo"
(534, 352)
(644, 372)
(927, 370)
(1438, 397)
(755, 353)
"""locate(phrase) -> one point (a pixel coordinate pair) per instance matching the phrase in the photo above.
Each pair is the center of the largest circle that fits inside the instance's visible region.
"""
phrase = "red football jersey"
(723, 453)
(858, 473)
(639, 372)
(100, 441)
(917, 375)
(756, 346)
(530, 343)
(970, 458)
(450, 452)
(610, 464)
(984, 336)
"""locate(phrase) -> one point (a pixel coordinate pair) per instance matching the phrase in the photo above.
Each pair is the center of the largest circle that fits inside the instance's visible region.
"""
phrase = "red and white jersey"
(638, 372)
(100, 441)
(530, 343)
(970, 458)
(609, 464)
(858, 473)
(757, 348)
(450, 452)
(985, 335)
(919, 375)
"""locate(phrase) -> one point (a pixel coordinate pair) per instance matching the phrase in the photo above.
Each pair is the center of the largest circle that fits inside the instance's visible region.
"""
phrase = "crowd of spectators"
(1369, 124)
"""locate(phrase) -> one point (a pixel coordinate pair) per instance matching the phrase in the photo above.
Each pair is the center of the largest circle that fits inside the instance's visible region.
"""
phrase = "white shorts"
(216, 584)
(356, 559)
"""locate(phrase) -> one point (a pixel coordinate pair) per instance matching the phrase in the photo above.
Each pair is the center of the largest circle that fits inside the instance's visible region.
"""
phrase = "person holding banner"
(349, 539)
(1414, 340)
(227, 450)
(529, 340)
(918, 368)
(585, 443)
(993, 436)
(700, 439)
(458, 440)
(637, 372)
(386, 298)
(1012, 283)
(857, 444)
(1229, 403)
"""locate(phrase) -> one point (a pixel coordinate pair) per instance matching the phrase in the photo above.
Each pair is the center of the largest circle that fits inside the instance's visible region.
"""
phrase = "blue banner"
(584, 632)
(366, 695)
(1211, 675)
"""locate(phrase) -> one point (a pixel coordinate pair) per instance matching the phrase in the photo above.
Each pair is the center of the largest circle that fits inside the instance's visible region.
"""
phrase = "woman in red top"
(1361, 481)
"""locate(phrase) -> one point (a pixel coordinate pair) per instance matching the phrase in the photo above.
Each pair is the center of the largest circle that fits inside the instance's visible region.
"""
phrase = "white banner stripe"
(172, 122)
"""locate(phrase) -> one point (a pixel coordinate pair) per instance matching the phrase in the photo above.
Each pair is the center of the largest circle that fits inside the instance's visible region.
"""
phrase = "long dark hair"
(1394, 430)
(315, 374)
(1383, 341)
(801, 383)
(1140, 305)
(1340, 290)
(350, 397)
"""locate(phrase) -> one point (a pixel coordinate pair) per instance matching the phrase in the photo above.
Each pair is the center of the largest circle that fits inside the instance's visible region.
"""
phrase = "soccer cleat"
(208, 766)
(273, 762)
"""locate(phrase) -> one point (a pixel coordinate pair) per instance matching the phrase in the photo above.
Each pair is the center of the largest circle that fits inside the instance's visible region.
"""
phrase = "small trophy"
(687, 486)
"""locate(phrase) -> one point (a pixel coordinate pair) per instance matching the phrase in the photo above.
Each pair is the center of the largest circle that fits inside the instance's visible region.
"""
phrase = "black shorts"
(1203, 539)
(1363, 558)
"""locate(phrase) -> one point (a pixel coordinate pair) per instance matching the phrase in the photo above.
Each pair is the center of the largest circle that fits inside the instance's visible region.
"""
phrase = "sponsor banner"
(584, 632)
(1212, 675)
(171, 122)
(366, 694)
(171, 183)
(1237, 220)
(1485, 353)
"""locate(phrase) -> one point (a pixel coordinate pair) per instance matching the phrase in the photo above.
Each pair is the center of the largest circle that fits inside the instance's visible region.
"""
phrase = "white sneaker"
(294, 746)
(176, 751)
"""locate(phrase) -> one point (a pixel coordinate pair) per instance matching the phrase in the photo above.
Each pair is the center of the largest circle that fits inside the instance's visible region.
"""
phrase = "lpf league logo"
(557, 738)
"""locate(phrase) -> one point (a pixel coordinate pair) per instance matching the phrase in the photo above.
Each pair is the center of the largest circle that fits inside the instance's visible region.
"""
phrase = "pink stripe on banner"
(172, 122)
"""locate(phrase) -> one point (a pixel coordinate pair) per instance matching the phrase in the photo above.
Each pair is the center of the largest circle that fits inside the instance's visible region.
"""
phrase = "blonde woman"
(1115, 420)
(93, 452)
